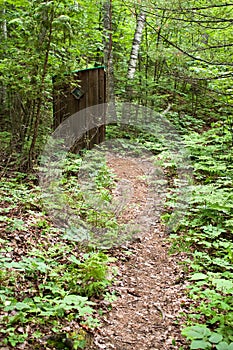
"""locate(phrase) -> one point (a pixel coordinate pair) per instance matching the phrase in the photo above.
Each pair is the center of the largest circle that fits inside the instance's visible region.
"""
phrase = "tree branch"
(192, 8)
(188, 54)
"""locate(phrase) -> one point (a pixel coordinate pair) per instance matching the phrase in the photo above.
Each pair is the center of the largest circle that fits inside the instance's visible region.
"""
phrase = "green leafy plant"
(206, 233)
(90, 277)
(202, 338)
(62, 290)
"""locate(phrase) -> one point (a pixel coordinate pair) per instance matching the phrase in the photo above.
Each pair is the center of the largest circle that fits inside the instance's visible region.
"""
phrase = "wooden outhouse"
(83, 89)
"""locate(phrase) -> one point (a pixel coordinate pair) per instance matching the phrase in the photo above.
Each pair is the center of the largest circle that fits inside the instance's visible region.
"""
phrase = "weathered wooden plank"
(102, 100)
(92, 101)
(70, 99)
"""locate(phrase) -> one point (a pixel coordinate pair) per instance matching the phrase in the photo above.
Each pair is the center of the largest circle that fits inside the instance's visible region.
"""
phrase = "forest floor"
(150, 285)
(151, 288)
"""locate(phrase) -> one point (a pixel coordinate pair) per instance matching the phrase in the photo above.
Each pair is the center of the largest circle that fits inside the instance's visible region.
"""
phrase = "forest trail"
(150, 287)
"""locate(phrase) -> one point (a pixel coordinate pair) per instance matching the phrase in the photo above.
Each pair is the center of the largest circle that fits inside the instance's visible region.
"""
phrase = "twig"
(160, 310)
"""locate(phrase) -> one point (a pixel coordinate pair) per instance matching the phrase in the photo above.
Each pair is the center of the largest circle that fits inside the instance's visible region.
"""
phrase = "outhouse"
(82, 89)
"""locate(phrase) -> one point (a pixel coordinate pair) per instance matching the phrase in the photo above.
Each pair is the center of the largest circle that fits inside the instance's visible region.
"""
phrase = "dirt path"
(150, 288)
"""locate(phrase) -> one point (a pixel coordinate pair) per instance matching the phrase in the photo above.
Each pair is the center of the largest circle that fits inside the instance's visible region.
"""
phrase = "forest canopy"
(184, 56)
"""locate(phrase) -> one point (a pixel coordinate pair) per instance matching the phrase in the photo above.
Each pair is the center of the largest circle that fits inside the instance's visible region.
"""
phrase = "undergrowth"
(206, 233)
(49, 284)
(50, 281)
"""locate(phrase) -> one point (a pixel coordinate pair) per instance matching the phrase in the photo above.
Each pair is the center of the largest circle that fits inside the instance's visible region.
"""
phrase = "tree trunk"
(136, 45)
(3, 92)
(4, 25)
(132, 65)
(108, 57)
(31, 153)
(134, 54)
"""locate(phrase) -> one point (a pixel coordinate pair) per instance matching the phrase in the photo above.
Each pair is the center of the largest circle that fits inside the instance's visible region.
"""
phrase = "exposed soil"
(151, 286)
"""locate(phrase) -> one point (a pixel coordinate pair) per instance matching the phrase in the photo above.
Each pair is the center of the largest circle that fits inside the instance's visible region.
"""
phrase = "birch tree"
(108, 57)
(107, 38)
(136, 45)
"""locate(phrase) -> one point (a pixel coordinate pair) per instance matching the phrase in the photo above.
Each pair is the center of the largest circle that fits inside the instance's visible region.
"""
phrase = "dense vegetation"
(184, 61)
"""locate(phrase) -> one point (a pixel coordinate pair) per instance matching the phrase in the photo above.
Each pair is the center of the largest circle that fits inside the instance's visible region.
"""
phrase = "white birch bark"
(108, 57)
(136, 45)
(4, 25)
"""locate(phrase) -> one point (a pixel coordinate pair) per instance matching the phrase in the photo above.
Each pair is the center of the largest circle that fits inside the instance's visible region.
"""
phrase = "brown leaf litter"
(151, 288)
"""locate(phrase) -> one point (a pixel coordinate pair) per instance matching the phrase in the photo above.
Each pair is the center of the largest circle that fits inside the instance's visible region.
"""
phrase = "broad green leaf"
(196, 332)
(200, 344)
(198, 276)
(223, 285)
(215, 338)
(22, 306)
(74, 299)
(223, 346)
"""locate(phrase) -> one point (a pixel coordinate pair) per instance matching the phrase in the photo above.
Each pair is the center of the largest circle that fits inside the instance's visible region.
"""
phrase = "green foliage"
(89, 277)
(85, 191)
(178, 64)
(203, 338)
(207, 230)
(56, 281)
(185, 62)
(18, 191)
(39, 42)
(63, 289)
